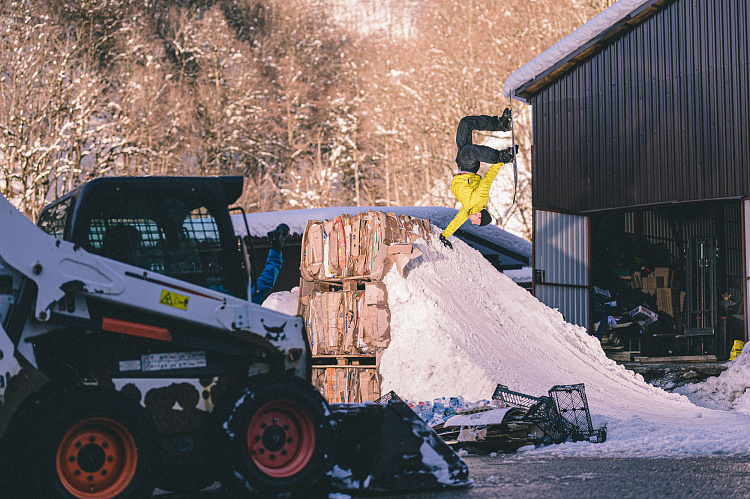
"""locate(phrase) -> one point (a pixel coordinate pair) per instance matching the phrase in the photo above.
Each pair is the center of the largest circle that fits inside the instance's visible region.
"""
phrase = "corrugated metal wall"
(660, 115)
(561, 264)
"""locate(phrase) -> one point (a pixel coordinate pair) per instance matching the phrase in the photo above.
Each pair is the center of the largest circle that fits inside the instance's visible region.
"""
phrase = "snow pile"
(459, 327)
(728, 391)
(285, 302)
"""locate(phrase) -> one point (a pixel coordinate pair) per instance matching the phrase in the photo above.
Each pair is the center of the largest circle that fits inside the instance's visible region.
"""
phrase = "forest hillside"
(315, 102)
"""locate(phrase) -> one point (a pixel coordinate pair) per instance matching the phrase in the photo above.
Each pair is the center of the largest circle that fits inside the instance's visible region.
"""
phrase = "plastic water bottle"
(438, 406)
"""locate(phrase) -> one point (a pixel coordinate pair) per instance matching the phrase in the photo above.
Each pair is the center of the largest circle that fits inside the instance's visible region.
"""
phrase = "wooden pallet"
(677, 359)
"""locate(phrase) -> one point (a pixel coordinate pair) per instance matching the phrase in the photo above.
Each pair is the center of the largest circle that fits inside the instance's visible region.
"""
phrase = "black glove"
(277, 236)
(506, 155)
(445, 241)
(504, 121)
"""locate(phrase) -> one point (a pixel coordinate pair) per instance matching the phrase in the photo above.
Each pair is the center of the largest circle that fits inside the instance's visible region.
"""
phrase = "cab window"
(167, 235)
(53, 219)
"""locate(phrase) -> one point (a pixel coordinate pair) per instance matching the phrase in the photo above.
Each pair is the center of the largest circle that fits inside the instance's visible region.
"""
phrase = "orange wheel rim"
(96, 459)
(281, 439)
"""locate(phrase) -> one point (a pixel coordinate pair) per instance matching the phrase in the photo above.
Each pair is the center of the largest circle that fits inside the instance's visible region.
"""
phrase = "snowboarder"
(472, 190)
(267, 278)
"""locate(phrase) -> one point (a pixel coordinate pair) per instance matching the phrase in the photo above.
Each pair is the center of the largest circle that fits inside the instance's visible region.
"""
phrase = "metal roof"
(579, 45)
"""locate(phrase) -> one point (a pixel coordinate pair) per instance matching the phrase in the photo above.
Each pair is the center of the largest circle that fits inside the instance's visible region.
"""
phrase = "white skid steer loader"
(132, 358)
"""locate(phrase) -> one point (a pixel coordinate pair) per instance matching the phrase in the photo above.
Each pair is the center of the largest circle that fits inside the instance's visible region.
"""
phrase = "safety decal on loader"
(173, 360)
(174, 300)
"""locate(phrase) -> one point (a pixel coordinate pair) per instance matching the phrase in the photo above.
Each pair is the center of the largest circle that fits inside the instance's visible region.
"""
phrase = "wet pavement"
(523, 475)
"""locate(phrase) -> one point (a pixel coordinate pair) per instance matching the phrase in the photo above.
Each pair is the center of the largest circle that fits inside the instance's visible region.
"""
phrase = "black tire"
(90, 439)
(279, 438)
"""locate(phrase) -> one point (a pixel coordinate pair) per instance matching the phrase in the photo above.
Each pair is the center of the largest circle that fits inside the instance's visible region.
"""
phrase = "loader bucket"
(386, 448)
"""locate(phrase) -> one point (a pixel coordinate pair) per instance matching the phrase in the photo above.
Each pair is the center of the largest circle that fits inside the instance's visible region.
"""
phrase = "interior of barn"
(683, 266)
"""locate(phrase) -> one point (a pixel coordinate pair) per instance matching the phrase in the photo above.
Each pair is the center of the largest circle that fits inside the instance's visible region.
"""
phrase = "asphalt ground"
(527, 476)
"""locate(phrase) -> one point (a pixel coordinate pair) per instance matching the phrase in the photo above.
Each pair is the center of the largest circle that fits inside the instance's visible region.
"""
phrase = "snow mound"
(728, 391)
(285, 302)
(459, 327)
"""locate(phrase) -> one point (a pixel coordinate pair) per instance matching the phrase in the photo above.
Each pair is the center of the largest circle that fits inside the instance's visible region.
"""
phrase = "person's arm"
(458, 220)
(483, 189)
(267, 278)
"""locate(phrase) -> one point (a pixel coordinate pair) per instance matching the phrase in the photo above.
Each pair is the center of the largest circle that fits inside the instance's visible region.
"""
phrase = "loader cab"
(176, 226)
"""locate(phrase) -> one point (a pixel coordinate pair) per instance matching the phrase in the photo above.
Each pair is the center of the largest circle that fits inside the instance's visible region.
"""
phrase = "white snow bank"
(459, 327)
(570, 43)
(728, 391)
(285, 302)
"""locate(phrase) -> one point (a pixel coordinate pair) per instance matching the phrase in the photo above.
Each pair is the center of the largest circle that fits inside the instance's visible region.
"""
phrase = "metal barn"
(640, 183)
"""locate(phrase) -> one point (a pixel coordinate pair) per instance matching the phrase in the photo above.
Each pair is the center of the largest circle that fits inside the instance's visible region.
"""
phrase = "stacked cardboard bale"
(344, 301)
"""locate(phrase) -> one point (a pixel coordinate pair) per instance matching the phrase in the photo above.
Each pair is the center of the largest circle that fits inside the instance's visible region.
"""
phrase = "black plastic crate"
(546, 416)
(571, 403)
(516, 399)
(563, 415)
(388, 397)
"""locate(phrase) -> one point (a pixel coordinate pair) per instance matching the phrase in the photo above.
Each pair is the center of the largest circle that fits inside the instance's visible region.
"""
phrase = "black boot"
(504, 121)
(506, 155)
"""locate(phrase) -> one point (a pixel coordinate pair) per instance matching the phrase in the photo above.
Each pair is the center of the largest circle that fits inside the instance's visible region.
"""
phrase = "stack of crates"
(345, 303)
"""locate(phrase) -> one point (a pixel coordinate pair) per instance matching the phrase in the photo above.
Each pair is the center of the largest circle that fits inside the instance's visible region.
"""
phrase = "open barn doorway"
(669, 281)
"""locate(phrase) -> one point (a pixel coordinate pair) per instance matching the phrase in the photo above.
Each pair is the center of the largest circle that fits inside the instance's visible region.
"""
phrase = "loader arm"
(60, 268)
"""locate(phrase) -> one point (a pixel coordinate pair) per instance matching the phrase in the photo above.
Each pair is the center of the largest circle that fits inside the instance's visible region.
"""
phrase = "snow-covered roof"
(262, 223)
(574, 46)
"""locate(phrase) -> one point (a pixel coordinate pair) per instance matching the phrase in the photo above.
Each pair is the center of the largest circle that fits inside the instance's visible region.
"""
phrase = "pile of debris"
(515, 420)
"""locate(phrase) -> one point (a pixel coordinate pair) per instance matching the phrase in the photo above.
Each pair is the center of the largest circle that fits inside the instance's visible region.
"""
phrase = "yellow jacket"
(473, 192)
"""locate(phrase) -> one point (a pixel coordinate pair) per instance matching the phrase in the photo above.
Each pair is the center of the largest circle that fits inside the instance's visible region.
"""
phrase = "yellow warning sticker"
(174, 300)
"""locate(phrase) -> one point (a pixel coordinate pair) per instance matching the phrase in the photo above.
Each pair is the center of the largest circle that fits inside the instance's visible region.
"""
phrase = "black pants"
(469, 154)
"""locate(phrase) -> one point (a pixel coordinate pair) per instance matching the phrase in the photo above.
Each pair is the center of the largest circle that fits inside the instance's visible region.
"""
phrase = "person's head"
(481, 218)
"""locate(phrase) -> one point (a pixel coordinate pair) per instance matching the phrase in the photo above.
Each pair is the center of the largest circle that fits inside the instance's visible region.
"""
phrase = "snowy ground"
(459, 327)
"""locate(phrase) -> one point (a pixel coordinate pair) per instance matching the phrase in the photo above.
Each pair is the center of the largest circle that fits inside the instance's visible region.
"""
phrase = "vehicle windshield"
(171, 236)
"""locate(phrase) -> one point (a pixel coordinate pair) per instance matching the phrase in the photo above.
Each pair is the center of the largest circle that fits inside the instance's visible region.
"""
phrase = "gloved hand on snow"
(445, 242)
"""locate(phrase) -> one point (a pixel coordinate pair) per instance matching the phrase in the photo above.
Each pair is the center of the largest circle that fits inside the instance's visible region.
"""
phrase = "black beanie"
(486, 218)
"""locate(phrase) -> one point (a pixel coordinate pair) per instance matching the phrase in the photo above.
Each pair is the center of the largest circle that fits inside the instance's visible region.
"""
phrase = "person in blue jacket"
(267, 278)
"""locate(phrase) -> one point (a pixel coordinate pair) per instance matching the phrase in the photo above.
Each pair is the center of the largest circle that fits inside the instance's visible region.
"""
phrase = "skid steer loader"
(131, 358)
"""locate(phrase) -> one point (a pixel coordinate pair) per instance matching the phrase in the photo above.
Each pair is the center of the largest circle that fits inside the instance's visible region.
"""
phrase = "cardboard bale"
(347, 384)
(348, 322)
(369, 385)
(325, 322)
(363, 246)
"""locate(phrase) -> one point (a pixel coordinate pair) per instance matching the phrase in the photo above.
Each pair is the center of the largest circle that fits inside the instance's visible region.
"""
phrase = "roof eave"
(530, 88)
